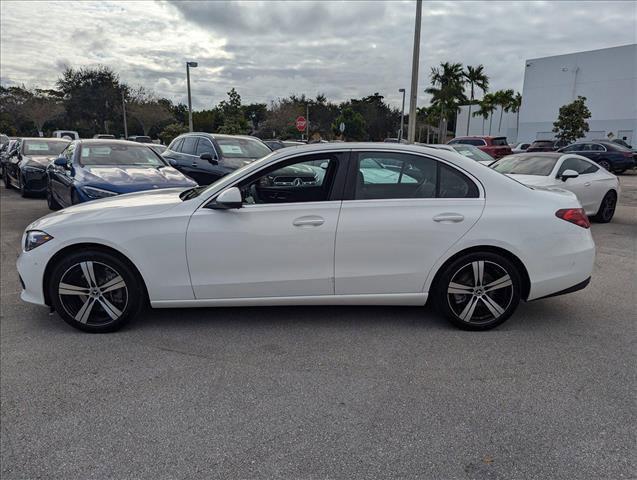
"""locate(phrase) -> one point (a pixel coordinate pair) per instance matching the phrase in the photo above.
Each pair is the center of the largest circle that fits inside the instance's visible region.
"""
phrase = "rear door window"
(499, 142)
(176, 145)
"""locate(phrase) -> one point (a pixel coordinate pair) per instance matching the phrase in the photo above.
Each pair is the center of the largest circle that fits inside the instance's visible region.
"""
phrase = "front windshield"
(44, 147)
(473, 153)
(525, 165)
(108, 154)
(236, 147)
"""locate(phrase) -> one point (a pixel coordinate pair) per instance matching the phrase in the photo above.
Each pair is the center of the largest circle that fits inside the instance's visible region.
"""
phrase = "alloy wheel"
(93, 293)
(605, 165)
(608, 207)
(480, 292)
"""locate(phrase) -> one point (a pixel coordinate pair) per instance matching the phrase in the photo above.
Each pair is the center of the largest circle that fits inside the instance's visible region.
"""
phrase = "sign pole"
(413, 95)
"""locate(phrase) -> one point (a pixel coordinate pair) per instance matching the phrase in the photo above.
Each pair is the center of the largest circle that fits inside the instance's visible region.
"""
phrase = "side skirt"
(405, 299)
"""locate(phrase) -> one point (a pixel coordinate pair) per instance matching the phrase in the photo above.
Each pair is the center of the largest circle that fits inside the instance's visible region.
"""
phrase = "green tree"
(447, 92)
(516, 104)
(233, 118)
(172, 131)
(505, 100)
(149, 112)
(256, 113)
(380, 119)
(476, 78)
(354, 125)
(92, 98)
(571, 122)
(486, 108)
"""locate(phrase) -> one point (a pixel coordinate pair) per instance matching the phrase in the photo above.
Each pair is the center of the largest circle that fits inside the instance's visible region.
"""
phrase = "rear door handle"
(194, 164)
(308, 221)
(587, 184)
(449, 218)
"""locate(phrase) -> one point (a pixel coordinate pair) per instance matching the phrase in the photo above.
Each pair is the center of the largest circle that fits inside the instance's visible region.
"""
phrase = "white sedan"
(596, 188)
(383, 224)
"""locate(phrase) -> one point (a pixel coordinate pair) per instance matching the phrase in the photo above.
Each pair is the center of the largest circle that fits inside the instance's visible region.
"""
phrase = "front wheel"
(478, 291)
(95, 291)
(50, 201)
(606, 208)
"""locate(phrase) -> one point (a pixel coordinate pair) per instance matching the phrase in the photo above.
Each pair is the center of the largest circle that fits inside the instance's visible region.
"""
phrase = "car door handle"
(587, 184)
(309, 221)
(194, 164)
(449, 218)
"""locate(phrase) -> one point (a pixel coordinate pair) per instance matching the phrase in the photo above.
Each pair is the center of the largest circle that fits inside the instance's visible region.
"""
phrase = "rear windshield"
(44, 147)
(120, 155)
(468, 141)
(473, 152)
(242, 147)
(525, 165)
(499, 142)
(543, 142)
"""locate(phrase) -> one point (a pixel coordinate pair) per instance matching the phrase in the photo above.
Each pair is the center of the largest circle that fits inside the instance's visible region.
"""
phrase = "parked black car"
(5, 151)
(25, 167)
(275, 144)
(206, 157)
(609, 155)
(545, 146)
(140, 139)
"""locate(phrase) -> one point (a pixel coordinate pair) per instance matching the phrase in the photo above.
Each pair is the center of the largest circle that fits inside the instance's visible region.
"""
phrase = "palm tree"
(504, 99)
(475, 77)
(515, 108)
(447, 89)
(487, 107)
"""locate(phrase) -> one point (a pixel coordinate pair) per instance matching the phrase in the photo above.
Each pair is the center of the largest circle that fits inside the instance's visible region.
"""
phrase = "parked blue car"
(92, 169)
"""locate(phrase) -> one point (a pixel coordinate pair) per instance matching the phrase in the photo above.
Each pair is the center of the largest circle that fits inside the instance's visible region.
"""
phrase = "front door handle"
(449, 218)
(309, 221)
(194, 164)
(587, 184)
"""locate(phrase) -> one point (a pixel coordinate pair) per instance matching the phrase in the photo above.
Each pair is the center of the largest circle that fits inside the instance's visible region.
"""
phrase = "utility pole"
(188, 66)
(124, 111)
(402, 116)
(307, 121)
(413, 94)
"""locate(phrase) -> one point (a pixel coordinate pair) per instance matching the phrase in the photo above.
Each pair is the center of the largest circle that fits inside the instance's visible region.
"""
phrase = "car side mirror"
(324, 165)
(60, 162)
(173, 162)
(566, 174)
(228, 199)
(209, 158)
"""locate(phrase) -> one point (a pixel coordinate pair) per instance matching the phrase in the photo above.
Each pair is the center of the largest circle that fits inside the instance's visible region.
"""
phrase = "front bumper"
(34, 181)
(31, 267)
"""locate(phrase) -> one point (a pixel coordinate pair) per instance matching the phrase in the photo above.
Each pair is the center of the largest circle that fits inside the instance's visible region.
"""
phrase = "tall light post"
(402, 115)
(413, 94)
(189, 65)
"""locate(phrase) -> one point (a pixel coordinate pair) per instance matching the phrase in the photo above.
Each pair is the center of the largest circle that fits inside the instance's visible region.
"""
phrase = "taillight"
(628, 154)
(574, 215)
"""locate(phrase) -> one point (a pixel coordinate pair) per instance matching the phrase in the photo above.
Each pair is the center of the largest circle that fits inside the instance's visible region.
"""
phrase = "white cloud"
(271, 49)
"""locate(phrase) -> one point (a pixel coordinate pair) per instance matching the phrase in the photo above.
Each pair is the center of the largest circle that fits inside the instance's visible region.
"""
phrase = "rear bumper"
(574, 288)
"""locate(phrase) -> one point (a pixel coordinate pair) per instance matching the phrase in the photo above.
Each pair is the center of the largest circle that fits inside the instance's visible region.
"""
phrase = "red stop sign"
(301, 123)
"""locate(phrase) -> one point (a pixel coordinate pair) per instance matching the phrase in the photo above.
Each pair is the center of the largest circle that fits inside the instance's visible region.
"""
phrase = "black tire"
(619, 172)
(605, 165)
(50, 201)
(75, 198)
(5, 178)
(606, 208)
(94, 309)
(465, 302)
(23, 191)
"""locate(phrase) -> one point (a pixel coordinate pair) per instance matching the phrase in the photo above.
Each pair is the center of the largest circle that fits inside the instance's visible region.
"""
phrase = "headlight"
(35, 238)
(94, 192)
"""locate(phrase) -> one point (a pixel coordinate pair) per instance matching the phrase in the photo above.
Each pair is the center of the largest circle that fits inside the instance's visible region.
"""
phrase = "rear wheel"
(478, 291)
(606, 208)
(605, 164)
(95, 291)
(619, 172)
(5, 178)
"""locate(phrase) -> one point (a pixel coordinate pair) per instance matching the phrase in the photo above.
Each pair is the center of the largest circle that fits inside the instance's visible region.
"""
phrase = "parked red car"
(497, 147)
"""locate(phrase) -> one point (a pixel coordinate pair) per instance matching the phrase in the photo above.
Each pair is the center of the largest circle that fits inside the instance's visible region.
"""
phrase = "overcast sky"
(271, 49)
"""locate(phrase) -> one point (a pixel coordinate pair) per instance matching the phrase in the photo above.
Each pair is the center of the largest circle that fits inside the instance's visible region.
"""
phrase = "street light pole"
(402, 116)
(413, 94)
(124, 111)
(188, 66)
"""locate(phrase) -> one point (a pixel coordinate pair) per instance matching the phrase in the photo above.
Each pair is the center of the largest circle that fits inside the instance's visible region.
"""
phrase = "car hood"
(125, 179)
(132, 205)
(36, 161)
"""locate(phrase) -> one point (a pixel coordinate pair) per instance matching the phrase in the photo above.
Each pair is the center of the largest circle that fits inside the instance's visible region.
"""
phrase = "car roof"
(538, 154)
(219, 135)
(53, 139)
(481, 137)
(107, 141)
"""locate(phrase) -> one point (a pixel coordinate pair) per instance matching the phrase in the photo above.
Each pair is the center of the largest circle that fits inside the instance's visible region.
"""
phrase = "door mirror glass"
(173, 162)
(209, 158)
(229, 198)
(566, 174)
(60, 162)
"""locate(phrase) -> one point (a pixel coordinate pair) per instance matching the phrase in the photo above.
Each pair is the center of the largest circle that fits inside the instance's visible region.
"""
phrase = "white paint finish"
(400, 299)
(249, 253)
(389, 246)
(258, 251)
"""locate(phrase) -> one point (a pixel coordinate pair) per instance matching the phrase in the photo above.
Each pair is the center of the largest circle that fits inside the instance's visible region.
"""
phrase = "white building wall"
(607, 78)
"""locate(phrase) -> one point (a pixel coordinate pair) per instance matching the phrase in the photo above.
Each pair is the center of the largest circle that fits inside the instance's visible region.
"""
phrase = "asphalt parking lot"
(326, 392)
